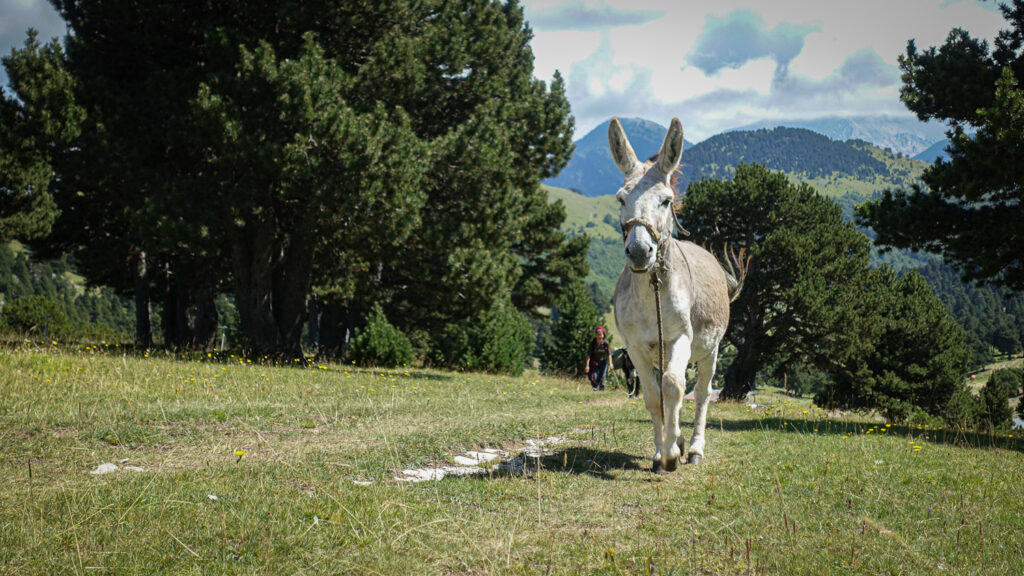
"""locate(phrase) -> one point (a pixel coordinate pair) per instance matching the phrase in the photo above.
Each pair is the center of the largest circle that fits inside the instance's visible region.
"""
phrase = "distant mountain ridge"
(904, 135)
(933, 152)
(835, 168)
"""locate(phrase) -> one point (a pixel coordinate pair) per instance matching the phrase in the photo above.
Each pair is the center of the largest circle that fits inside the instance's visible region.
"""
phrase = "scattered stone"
(538, 448)
(362, 483)
(211, 496)
(135, 468)
(476, 458)
(105, 468)
(428, 474)
(469, 464)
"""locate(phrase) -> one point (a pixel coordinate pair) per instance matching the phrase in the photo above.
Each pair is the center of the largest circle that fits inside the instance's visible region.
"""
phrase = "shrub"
(995, 399)
(964, 409)
(37, 316)
(503, 339)
(572, 327)
(381, 344)
(497, 341)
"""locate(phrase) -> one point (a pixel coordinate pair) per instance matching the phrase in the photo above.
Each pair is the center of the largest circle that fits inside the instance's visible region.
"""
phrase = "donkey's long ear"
(622, 152)
(671, 148)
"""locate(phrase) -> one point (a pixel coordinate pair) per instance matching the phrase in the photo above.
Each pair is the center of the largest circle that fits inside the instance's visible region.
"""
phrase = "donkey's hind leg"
(701, 394)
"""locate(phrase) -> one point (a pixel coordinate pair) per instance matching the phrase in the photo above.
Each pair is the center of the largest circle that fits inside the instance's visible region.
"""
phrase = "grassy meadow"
(243, 468)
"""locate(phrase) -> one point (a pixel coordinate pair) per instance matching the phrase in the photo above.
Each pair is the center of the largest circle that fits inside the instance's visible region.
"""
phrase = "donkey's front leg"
(649, 387)
(673, 385)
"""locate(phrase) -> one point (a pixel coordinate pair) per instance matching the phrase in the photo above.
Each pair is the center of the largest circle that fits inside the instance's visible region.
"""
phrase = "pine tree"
(970, 210)
(805, 270)
(42, 116)
(403, 167)
(810, 299)
(917, 358)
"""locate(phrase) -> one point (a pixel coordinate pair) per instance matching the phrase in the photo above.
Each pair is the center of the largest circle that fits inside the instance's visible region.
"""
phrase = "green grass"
(781, 491)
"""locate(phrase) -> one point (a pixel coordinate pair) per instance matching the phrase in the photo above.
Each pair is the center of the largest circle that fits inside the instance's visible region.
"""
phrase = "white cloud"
(741, 60)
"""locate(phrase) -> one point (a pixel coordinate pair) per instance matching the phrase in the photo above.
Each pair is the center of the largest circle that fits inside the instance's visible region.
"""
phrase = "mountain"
(591, 171)
(930, 154)
(902, 135)
(834, 168)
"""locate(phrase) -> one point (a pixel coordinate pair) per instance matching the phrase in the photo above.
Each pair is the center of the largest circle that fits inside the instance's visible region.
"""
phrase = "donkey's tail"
(736, 265)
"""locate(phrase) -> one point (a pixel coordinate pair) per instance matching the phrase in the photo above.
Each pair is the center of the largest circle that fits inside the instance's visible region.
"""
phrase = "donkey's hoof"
(657, 469)
(672, 464)
(693, 458)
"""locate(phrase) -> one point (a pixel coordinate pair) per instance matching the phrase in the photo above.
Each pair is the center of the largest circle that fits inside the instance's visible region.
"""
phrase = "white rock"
(211, 496)
(362, 483)
(421, 475)
(105, 468)
(462, 470)
(485, 456)
(135, 468)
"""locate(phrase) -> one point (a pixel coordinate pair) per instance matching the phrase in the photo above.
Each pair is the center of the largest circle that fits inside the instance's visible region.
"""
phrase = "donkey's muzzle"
(640, 256)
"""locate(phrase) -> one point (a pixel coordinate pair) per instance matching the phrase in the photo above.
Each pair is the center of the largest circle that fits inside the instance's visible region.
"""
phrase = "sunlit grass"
(248, 467)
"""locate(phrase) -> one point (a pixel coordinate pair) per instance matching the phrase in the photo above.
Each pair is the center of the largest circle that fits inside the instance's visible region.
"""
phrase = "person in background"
(596, 365)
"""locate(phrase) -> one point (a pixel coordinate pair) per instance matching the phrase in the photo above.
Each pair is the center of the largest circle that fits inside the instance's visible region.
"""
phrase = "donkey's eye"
(666, 203)
(622, 202)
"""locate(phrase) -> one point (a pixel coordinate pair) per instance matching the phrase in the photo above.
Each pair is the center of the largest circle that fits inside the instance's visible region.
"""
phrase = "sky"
(724, 64)
(714, 65)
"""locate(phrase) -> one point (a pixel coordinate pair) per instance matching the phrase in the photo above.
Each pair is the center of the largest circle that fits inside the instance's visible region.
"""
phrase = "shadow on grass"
(576, 460)
(840, 427)
(581, 460)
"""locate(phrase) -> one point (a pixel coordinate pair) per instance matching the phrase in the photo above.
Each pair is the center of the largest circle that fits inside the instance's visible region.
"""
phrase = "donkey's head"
(647, 195)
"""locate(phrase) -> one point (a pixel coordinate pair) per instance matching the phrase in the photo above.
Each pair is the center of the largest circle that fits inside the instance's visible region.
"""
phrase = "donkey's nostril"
(650, 249)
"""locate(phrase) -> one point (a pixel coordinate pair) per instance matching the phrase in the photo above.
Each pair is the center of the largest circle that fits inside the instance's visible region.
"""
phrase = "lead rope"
(656, 284)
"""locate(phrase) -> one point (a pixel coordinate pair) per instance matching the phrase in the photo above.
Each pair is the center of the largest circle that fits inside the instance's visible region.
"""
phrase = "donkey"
(694, 288)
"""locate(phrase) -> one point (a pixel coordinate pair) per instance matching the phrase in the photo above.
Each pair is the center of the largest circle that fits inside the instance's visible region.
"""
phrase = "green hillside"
(597, 217)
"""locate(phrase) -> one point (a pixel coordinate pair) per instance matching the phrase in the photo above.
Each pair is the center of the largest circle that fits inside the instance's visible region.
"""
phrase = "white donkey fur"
(695, 296)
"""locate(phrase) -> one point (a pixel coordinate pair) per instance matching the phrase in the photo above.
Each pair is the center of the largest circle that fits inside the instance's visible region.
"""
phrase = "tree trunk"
(741, 375)
(739, 379)
(203, 332)
(313, 313)
(254, 259)
(290, 289)
(271, 283)
(143, 318)
(174, 320)
(337, 324)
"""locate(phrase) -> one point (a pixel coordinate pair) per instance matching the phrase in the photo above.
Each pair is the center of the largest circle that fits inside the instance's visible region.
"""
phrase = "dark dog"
(621, 361)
